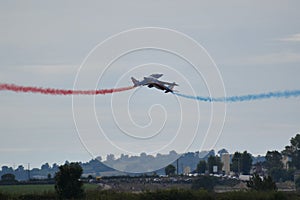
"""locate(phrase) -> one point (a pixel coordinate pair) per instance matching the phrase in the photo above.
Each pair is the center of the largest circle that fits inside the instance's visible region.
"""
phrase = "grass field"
(35, 189)
(39, 192)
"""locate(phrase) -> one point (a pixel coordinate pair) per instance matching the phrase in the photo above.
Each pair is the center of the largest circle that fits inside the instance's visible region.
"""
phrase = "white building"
(225, 158)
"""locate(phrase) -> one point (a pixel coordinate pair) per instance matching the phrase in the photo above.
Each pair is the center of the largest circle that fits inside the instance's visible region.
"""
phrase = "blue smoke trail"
(248, 97)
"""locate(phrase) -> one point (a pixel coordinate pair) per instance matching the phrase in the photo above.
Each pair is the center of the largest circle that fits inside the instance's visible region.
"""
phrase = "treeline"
(97, 167)
(281, 166)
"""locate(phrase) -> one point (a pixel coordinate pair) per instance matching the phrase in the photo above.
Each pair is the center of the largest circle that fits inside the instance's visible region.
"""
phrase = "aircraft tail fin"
(170, 88)
(135, 82)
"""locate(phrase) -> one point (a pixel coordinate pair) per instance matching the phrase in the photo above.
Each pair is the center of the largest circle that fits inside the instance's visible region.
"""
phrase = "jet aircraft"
(152, 81)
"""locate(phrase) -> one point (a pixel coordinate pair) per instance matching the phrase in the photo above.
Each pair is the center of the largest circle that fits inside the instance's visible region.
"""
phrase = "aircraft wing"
(156, 75)
(167, 83)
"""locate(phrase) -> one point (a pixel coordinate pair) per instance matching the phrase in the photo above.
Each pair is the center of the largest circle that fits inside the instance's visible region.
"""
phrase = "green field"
(35, 189)
(39, 192)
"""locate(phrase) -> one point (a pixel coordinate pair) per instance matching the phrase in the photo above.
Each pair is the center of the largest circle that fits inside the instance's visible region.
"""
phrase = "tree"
(294, 151)
(273, 160)
(45, 167)
(8, 177)
(67, 183)
(275, 166)
(170, 170)
(241, 162)
(236, 162)
(279, 175)
(214, 161)
(246, 162)
(201, 167)
(55, 167)
(222, 151)
(20, 168)
(110, 159)
(259, 184)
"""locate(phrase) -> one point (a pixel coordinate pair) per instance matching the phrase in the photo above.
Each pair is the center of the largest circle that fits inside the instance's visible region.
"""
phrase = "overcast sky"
(255, 45)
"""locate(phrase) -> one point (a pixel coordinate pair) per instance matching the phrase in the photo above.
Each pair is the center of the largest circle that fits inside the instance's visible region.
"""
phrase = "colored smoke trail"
(248, 97)
(51, 91)
(241, 98)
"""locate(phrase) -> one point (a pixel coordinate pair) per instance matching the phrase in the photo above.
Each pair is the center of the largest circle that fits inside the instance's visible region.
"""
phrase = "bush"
(259, 184)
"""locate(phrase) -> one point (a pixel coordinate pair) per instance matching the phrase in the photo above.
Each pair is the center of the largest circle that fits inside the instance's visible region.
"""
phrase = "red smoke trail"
(51, 91)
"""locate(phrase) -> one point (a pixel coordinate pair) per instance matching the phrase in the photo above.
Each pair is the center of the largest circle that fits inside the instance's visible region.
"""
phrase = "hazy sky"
(255, 45)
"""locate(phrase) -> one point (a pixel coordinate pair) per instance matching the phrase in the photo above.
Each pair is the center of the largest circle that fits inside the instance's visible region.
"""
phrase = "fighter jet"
(152, 81)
